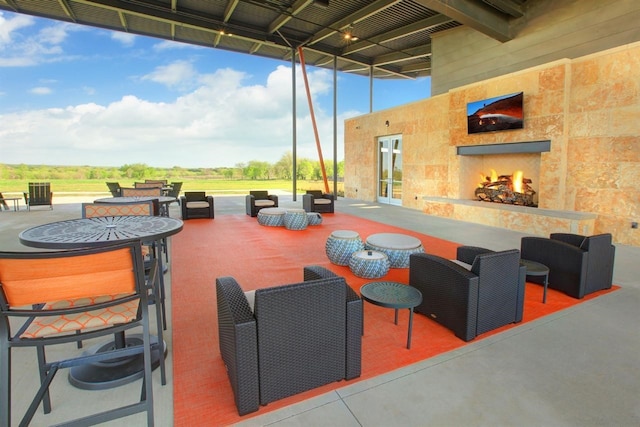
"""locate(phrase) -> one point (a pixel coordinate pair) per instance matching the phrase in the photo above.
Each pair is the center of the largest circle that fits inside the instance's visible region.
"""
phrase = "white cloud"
(126, 39)
(221, 122)
(179, 74)
(23, 49)
(41, 90)
(170, 44)
(12, 25)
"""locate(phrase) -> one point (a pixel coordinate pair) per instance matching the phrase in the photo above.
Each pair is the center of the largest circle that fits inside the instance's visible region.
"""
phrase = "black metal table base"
(115, 372)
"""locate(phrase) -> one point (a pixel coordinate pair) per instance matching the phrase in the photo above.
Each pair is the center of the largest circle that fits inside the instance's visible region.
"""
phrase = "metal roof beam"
(292, 11)
(478, 16)
(397, 33)
(363, 13)
(405, 55)
(67, 9)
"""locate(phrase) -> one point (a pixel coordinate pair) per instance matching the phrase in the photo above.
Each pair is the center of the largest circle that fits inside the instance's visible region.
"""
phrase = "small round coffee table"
(393, 295)
(536, 269)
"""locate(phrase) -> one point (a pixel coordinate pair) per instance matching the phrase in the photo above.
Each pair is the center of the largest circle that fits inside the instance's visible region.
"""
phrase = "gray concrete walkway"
(578, 367)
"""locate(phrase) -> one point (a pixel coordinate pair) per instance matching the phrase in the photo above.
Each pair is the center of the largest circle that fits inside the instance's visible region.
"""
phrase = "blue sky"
(77, 95)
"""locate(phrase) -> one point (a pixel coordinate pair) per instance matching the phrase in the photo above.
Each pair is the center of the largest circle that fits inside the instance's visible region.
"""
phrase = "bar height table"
(100, 231)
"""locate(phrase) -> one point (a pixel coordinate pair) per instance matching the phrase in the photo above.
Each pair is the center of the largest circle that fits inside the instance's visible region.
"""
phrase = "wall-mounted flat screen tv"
(493, 114)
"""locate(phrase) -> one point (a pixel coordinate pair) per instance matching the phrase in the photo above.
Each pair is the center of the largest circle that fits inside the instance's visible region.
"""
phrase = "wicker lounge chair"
(470, 302)
(272, 350)
(196, 204)
(578, 265)
(258, 199)
(317, 201)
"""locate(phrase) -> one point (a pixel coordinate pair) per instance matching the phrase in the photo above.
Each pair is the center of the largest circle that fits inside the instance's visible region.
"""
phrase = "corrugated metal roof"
(390, 37)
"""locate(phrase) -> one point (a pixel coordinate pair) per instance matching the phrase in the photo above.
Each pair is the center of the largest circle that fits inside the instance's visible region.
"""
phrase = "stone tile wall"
(589, 108)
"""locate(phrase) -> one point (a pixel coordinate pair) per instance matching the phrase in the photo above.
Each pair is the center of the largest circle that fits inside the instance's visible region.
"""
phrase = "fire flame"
(517, 181)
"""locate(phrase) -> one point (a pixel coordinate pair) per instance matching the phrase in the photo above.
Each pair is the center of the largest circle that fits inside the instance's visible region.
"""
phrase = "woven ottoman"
(271, 217)
(398, 247)
(314, 218)
(295, 219)
(341, 244)
(369, 264)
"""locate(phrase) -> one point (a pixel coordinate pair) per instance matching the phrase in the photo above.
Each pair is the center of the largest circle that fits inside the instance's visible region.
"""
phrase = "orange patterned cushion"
(91, 211)
(69, 323)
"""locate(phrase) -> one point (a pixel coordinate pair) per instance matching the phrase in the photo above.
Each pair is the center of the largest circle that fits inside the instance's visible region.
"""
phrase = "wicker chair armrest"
(315, 272)
(274, 198)
(570, 238)
(567, 263)
(467, 254)
(238, 343)
(354, 335)
(449, 291)
(354, 320)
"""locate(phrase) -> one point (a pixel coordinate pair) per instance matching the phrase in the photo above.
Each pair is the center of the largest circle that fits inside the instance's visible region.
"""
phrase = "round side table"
(296, 219)
(369, 264)
(341, 244)
(539, 270)
(393, 295)
(314, 218)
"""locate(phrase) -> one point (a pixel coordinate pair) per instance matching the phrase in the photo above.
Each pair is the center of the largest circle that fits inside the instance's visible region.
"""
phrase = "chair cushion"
(54, 325)
(262, 203)
(322, 201)
(197, 205)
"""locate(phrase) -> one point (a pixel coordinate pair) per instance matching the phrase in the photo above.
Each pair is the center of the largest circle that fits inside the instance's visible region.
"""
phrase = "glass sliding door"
(390, 169)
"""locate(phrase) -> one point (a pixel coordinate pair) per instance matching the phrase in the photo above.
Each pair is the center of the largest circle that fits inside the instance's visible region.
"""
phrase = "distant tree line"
(307, 169)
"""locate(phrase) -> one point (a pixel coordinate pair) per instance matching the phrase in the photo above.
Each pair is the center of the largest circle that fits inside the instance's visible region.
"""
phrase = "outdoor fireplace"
(512, 189)
(518, 172)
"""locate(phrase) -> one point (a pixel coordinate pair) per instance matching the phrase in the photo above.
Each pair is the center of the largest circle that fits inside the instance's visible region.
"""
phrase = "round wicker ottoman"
(271, 217)
(398, 247)
(295, 219)
(341, 244)
(369, 264)
(314, 218)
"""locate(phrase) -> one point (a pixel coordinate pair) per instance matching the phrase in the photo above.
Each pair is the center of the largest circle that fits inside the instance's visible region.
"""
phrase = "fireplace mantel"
(505, 148)
(519, 218)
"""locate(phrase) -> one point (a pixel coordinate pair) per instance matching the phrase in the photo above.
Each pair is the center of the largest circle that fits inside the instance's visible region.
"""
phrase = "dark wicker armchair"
(196, 204)
(317, 201)
(470, 302)
(258, 199)
(295, 337)
(578, 265)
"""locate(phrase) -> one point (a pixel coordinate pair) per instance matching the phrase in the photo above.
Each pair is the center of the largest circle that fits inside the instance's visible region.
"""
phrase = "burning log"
(510, 189)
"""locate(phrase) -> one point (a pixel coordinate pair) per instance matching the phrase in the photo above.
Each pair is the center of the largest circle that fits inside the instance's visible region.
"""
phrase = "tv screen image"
(493, 114)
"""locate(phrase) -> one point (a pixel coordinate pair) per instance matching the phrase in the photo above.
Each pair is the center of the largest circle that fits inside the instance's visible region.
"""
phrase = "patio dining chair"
(156, 184)
(56, 297)
(149, 249)
(114, 188)
(141, 192)
(39, 194)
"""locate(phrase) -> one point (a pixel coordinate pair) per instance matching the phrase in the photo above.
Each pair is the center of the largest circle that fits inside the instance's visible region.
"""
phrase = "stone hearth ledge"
(525, 219)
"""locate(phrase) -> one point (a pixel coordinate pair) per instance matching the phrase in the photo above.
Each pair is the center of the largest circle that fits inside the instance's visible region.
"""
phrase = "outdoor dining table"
(100, 231)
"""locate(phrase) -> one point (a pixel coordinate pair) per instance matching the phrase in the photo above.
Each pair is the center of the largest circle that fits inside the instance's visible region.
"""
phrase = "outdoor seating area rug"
(259, 257)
